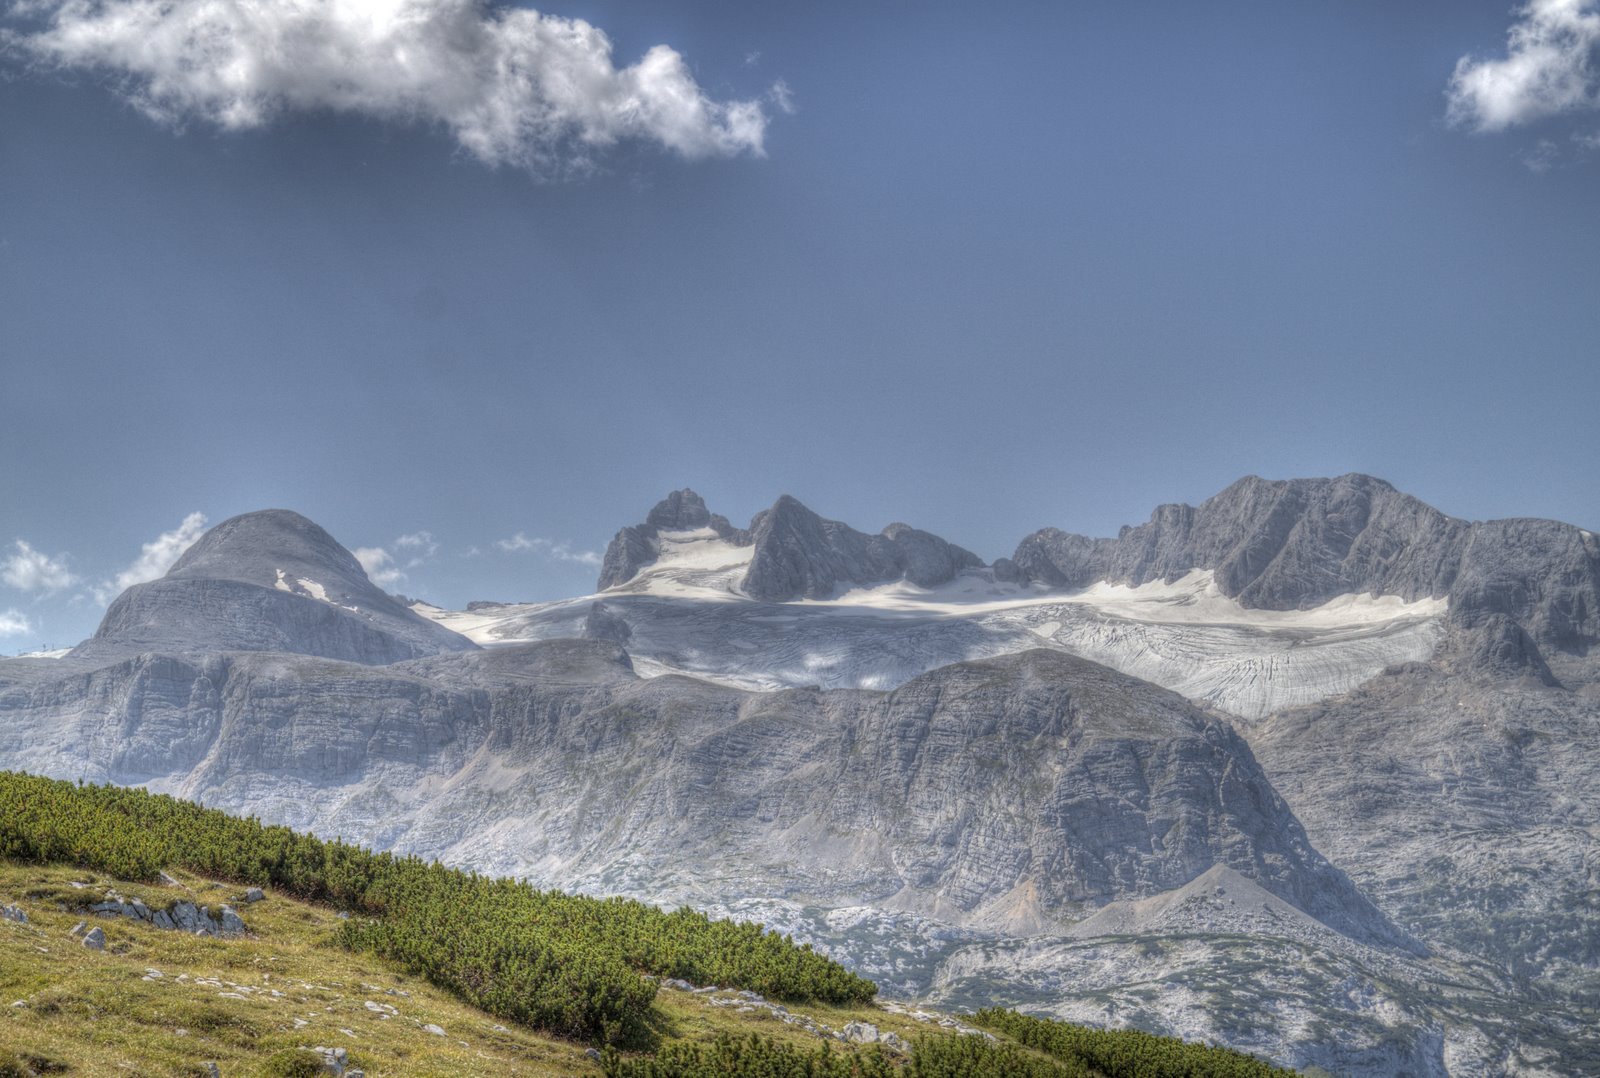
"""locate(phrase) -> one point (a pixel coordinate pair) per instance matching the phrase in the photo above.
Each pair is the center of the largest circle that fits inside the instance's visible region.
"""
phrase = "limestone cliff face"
(1019, 790)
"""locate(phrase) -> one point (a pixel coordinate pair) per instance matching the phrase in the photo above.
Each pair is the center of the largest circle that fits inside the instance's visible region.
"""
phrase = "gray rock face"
(268, 581)
(95, 939)
(798, 554)
(682, 510)
(629, 551)
(1297, 543)
(1466, 804)
(993, 790)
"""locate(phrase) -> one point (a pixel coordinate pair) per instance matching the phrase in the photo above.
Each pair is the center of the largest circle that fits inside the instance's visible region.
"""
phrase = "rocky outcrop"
(605, 624)
(268, 581)
(1294, 544)
(181, 916)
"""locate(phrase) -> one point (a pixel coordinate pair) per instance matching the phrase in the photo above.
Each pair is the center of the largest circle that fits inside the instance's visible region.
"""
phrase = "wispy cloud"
(512, 85)
(419, 545)
(1549, 67)
(27, 569)
(155, 558)
(550, 548)
(386, 566)
(13, 623)
(379, 565)
(1543, 157)
(782, 97)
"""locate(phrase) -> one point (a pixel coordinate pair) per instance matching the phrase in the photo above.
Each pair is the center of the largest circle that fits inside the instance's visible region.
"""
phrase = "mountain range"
(1309, 768)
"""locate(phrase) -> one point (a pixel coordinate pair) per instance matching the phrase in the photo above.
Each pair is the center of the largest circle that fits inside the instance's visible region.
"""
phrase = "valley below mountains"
(1310, 769)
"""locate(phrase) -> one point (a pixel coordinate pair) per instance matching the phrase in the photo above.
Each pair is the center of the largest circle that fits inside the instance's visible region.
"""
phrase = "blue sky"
(980, 269)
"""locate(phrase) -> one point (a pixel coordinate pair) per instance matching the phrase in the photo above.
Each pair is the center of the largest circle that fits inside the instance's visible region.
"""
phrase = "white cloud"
(1549, 67)
(155, 557)
(379, 565)
(1543, 157)
(512, 85)
(12, 623)
(557, 551)
(384, 567)
(421, 546)
(782, 97)
(27, 569)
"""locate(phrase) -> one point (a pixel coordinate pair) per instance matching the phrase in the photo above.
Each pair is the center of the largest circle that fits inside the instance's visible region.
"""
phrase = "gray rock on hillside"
(268, 581)
(604, 624)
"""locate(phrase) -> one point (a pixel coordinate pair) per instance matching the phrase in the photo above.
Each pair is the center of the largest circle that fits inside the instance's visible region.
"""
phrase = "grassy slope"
(95, 1012)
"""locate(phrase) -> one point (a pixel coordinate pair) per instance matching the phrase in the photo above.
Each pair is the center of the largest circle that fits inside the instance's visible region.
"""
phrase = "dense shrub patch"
(561, 963)
(759, 1057)
(1067, 1052)
(1130, 1052)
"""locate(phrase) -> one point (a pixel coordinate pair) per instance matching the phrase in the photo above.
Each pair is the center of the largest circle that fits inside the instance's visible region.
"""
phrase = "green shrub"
(561, 963)
(1126, 1053)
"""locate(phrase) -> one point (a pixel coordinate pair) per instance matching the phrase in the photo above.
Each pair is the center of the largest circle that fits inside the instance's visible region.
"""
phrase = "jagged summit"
(682, 510)
(799, 554)
(271, 581)
(1296, 543)
(795, 553)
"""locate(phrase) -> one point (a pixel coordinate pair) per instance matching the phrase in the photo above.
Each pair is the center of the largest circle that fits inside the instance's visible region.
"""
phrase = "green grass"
(94, 1013)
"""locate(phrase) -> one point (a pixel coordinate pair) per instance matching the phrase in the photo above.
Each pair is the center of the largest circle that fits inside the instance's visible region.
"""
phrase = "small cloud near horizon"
(550, 548)
(27, 569)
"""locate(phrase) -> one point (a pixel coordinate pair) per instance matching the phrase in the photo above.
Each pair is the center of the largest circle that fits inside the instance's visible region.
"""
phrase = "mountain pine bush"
(565, 964)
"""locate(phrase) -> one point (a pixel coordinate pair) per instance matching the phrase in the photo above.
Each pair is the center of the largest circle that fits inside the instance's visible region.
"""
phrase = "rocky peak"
(271, 581)
(637, 546)
(798, 553)
(1297, 543)
(253, 547)
(682, 510)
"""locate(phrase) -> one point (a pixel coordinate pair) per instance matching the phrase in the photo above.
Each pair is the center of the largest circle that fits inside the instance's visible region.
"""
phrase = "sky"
(473, 285)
